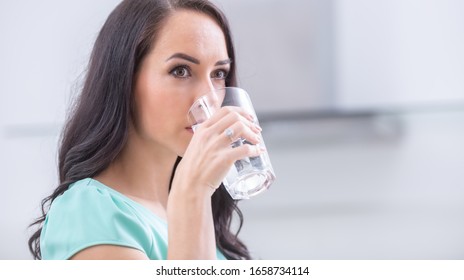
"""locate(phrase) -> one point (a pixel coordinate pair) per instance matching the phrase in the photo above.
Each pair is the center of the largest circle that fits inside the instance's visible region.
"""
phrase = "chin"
(180, 150)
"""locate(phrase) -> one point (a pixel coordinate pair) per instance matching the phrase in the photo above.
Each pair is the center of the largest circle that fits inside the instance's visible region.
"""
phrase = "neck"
(142, 171)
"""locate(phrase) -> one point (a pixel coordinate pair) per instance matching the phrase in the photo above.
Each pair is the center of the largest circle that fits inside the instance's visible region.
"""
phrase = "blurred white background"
(361, 101)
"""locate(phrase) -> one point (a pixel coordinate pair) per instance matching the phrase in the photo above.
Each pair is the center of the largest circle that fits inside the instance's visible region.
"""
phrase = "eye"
(181, 71)
(220, 74)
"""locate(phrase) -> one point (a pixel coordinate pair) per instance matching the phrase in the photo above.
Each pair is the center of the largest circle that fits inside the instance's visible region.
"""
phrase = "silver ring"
(229, 133)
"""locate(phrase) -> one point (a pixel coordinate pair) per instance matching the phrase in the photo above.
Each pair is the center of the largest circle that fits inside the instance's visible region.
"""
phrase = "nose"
(204, 101)
(205, 87)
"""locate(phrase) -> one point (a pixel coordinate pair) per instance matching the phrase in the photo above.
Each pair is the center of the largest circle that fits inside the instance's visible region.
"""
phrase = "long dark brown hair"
(98, 124)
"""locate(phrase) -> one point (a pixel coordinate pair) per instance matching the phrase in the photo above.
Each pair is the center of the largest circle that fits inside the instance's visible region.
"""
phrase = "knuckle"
(236, 116)
(227, 109)
(242, 126)
(203, 132)
(249, 148)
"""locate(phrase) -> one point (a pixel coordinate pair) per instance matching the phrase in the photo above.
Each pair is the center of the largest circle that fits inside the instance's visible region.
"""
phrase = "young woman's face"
(188, 60)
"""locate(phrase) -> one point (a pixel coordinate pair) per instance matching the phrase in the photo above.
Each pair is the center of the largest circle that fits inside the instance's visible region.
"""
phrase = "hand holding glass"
(248, 176)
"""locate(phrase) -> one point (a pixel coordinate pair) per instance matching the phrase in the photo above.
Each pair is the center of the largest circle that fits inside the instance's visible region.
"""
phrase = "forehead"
(193, 33)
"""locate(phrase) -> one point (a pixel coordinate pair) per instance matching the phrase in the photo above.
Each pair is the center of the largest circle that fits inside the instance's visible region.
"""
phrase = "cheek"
(161, 111)
(154, 112)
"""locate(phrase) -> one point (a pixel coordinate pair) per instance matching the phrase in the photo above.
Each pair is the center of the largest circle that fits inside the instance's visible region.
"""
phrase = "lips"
(190, 128)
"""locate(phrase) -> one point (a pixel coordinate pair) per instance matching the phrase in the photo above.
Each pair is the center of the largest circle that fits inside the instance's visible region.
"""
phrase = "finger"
(243, 151)
(235, 119)
(228, 113)
(240, 130)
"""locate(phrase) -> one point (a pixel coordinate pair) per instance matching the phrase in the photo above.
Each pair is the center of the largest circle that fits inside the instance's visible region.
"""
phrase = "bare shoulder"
(109, 252)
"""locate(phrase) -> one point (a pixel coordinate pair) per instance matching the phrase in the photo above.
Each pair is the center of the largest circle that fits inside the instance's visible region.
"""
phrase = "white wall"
(399, 53)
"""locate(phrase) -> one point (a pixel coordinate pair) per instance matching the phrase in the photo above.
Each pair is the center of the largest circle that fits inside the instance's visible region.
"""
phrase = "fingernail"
(258, 139)
(258, 127)
(260, 149)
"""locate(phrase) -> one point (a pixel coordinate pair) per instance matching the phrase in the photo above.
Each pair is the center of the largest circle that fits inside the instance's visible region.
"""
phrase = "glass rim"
(206, 95)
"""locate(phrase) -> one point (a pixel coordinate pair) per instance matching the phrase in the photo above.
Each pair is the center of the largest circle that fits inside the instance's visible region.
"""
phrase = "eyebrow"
(196, 61)
(223, 62)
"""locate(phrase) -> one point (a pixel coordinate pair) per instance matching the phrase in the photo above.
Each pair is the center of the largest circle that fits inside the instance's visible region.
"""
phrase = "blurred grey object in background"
(361, 101)
(349, 54)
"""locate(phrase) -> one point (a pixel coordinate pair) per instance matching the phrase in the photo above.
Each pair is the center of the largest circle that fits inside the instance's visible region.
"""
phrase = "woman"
(124, 190)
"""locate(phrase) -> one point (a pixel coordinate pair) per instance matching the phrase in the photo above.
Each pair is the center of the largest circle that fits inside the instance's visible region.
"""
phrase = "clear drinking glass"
(248, 176)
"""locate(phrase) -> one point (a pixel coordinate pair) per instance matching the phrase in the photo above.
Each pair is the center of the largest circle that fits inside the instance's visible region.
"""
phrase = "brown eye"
(220, 74)
(181, 72)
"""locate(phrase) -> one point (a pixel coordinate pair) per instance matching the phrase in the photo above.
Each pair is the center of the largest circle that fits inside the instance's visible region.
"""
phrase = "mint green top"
(90, 213)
